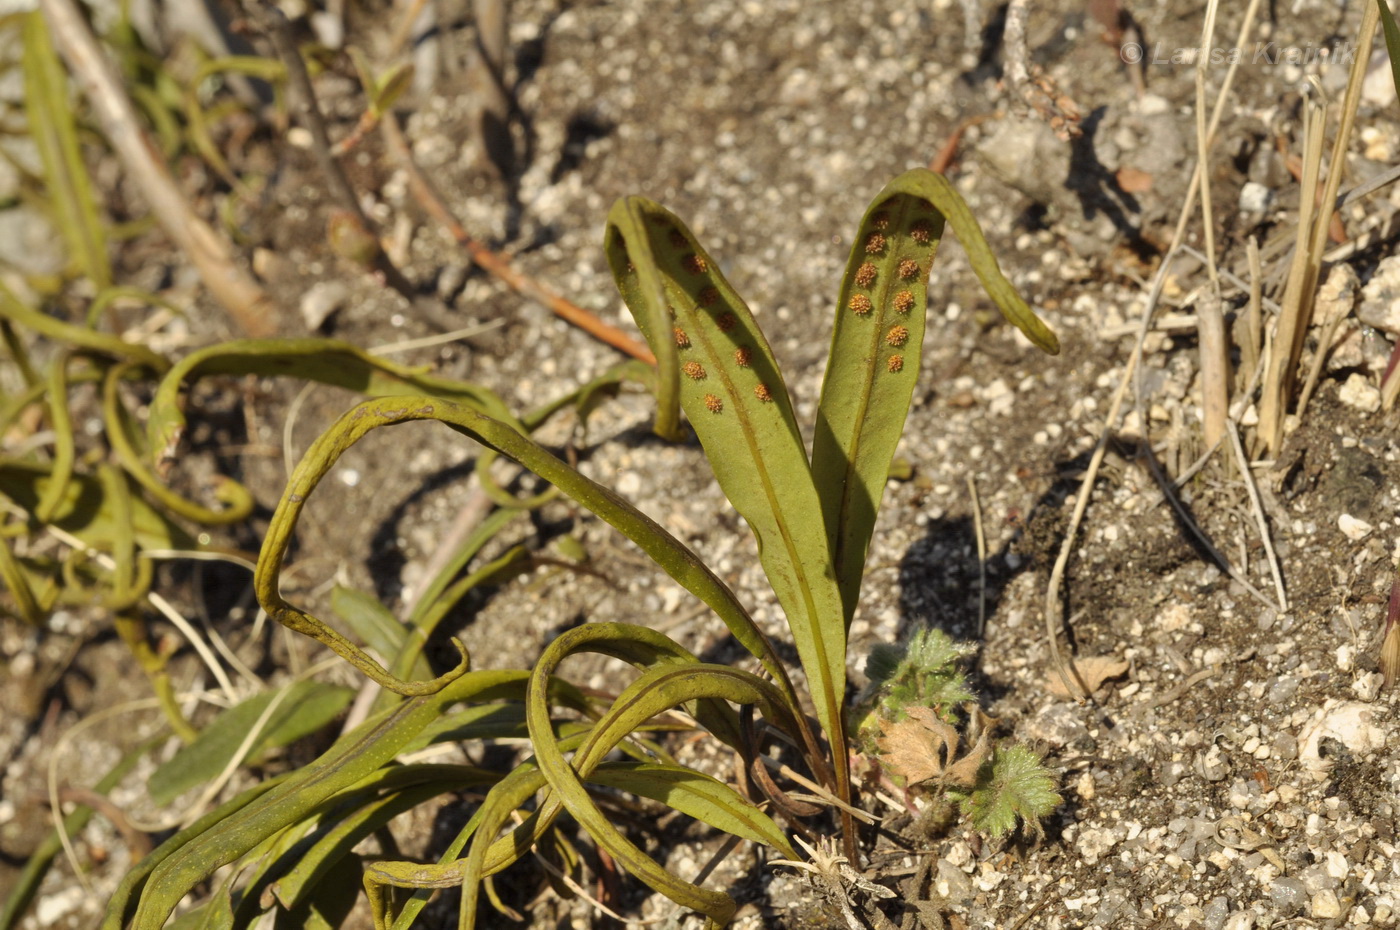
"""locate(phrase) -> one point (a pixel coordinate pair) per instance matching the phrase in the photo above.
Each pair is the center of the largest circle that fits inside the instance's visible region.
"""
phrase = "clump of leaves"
(812, 516)
(908, 717)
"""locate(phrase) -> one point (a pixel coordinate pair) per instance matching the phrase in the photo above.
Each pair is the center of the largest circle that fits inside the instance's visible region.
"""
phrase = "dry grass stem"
(1313, 225)
(981, 555)
(1257, 508)
(1215, 365)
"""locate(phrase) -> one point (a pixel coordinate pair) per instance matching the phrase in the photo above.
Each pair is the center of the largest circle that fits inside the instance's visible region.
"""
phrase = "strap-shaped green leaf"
(735, 397)
(697, 795)
(668, 552)
(356, 815)
(876, 347)
(85, 511)
(238, 499)
(308, 706)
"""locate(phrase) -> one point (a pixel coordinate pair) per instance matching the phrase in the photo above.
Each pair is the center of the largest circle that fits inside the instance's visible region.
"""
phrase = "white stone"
(1255, 197)
(1358, 391)
(1380, 298)
(1095, 842)
(1353, 528)
(1367, 687)
(1240, 920)
(1350, 722)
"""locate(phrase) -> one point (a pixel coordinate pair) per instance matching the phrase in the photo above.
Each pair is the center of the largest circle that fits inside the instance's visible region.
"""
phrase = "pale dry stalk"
(251, 307)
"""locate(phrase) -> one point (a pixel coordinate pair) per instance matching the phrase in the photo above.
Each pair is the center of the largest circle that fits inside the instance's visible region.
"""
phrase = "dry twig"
(251, 307)
(1036, 90)
(496, 264)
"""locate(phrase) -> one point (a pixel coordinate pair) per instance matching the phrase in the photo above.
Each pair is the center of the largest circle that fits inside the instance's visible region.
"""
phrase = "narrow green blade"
(876, 348)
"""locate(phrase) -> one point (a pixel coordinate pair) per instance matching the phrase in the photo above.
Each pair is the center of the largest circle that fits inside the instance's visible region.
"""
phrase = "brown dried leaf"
(1093, 671)
(918, 748)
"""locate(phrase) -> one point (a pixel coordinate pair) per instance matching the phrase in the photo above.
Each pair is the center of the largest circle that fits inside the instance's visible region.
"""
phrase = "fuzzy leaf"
(1016, 785)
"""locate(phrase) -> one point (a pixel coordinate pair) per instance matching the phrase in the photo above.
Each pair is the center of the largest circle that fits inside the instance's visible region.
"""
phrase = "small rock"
(1357, 391)
(1057, 726)
(1349, 722)
(1255, 199)
(1288, 895)
(1336, 296)
(1378, 88)
(1094, 842)
(30, 243)
(1282, 689)
(952, 883)
(1380, 298)
(321, 300)
(1352, 528)
(1240, 920)
(1367, 687)
(1325, 905)
(1212, 764)
(1216, 912)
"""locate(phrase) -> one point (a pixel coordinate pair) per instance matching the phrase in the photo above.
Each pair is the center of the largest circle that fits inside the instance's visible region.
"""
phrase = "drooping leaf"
(225, 835)
(673, 557)
(326, 361)
(372, 622)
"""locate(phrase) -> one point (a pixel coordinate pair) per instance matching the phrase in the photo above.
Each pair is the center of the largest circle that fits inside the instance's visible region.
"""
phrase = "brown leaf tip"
(875, 244)
(695, 264)
(709, 296)
(860, 305)
(922, 232)
(865, 274)
(726, 322)
(682, 340)
(908, 269)
(693, 370)
(904, 301)
(897, 336)
(713, 403)
(743, 356)
(895, 364)
(762, 393)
